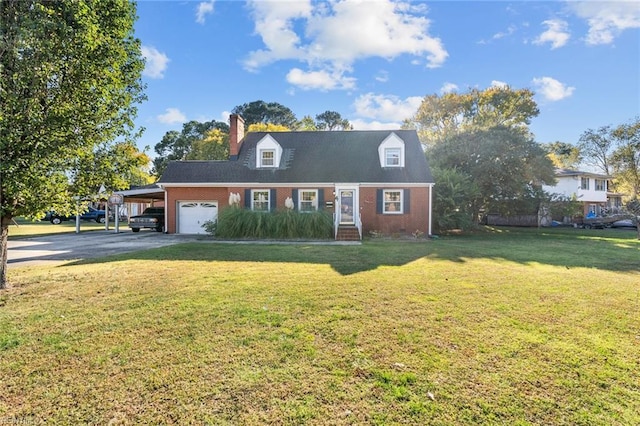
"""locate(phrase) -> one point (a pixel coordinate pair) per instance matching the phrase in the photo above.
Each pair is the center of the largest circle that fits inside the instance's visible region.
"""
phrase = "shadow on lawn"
(608, 250)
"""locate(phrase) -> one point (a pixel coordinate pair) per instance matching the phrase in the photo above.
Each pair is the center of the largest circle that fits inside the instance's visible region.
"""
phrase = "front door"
(348, 204)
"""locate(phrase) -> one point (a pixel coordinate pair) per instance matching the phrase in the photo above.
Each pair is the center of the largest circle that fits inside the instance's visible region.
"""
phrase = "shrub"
(234, 222)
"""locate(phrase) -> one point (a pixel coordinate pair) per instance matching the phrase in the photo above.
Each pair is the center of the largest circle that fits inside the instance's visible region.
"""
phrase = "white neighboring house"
(589, 188)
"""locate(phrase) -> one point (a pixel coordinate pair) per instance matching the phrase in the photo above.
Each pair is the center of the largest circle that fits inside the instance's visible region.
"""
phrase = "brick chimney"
(236, 134)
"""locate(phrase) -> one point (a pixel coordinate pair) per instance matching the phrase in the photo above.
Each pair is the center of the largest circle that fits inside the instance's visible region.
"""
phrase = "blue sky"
(373, 61)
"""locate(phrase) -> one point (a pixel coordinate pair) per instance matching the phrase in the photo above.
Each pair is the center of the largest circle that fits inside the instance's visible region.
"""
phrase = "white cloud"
(155, 62)
(607, 19)
(557, 33)
(319, 80)
(204, 8)
(359, 124)
(386, 107)
(551, 89)
(497, 36)
(498, 83)
(172, 116)
(448, 88)
(317, 34)
(382, 76)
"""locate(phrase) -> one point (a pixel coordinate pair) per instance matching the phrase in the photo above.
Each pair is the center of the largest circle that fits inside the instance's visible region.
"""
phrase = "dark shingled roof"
(311, 157)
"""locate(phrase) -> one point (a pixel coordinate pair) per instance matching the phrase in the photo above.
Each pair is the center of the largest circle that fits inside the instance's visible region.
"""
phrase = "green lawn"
(25, 228)
(506, 326)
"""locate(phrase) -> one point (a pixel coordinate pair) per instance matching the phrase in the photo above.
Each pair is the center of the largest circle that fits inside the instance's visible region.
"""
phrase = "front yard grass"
(508, 326)
(22, 228)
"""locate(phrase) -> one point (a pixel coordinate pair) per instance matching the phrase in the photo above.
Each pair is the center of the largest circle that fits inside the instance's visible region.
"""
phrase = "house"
(369, 180)
(589, 188)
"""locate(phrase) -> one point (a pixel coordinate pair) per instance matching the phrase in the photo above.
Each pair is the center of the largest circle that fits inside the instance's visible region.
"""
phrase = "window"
(392, 157)
(308, 200)
(392, 201)
(601, 185)
(260, 200)
(267, 158)
(584, 183)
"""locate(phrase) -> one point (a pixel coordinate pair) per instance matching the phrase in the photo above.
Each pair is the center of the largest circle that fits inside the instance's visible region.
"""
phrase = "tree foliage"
(332, 120)
(615, 151)
(596, 146)
(439, 117)
(267, 127)
(266, 112)
(195, 142)
(505, 164)
(69, 84)
(563, 155)
(454, 197)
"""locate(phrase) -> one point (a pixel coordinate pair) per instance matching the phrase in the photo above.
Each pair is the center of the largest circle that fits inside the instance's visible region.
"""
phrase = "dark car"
(91, 214)
(152, 217)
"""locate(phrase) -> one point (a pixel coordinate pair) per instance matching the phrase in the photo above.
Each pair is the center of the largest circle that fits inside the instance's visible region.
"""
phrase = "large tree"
(625, 159)
(615, 151)
(441, 116)
(191, 144)
(563, 155)
(70, 79)
(266, 112)
(505, 164)
(332, 120)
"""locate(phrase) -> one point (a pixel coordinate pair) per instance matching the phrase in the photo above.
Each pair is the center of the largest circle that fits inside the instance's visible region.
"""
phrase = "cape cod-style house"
(376, 180)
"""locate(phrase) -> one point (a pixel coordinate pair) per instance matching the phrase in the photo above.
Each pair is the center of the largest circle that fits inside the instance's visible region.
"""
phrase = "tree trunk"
(4, 242)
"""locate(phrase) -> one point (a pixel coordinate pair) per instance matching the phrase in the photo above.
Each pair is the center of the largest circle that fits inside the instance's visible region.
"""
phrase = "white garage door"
(193, 214)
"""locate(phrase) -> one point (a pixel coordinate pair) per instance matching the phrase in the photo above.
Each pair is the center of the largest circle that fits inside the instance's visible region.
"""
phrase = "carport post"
(106, 217)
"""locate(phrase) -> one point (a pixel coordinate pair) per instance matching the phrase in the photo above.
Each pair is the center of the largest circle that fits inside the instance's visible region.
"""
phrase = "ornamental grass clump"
(234, 222)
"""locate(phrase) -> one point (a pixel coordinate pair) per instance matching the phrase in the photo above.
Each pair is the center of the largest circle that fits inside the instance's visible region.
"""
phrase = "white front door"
(193, 214)
(347, 205)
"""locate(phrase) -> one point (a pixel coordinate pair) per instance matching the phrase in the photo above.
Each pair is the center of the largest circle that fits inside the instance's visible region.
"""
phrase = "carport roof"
(143, 193)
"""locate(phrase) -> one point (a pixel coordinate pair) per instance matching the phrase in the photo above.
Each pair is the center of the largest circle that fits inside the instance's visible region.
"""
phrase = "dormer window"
(268, 153)
(391, 151)
(392, 157)
(267, 157)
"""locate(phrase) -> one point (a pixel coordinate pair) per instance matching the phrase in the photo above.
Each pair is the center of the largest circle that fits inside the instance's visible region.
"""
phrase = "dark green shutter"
(294, 197)
(407, 201)
(379, 201)
(272, 200)
(320, 199)
(247, 198)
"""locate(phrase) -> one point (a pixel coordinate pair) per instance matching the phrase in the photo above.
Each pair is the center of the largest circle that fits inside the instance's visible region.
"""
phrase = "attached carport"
(151, 194)
(138, 197)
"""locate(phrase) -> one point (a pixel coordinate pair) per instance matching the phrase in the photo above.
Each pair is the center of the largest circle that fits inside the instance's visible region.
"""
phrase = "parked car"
(625, 223)
(91, 214)
(152, 217)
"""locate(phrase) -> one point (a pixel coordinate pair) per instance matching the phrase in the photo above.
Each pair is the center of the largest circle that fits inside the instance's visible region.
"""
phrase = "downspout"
(430, 207)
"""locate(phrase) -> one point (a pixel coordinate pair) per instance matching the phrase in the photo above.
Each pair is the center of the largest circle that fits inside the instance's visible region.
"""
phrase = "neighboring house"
(369, 180)
(589, 188)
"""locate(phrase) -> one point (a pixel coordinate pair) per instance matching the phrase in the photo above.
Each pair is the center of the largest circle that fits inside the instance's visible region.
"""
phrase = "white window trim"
(603, 182)
(268, 144)
(584, 180)
(384, 202)
(314, 202)
(273, 157)
(387, 151)
(392, 141)
(267, 200)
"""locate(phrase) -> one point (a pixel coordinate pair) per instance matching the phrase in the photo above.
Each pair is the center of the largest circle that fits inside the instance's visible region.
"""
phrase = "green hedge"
(235, 222)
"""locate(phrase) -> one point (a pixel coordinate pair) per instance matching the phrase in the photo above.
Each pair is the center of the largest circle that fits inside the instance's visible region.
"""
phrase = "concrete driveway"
(61, 248)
